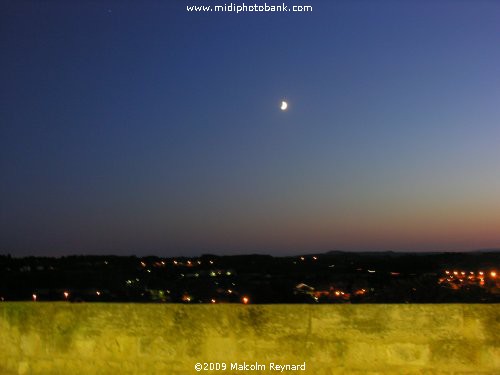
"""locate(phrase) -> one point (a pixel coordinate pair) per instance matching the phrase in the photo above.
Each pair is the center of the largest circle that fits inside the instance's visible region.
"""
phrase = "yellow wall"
(65, 338)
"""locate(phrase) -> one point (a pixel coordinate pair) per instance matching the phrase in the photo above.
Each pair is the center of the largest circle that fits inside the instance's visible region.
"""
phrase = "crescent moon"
(284, 105)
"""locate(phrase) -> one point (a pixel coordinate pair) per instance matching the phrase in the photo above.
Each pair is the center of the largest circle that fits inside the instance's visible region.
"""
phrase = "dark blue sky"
(140, 128)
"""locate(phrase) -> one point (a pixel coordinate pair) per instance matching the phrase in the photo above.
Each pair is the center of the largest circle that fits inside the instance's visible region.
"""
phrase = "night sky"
(140, 128)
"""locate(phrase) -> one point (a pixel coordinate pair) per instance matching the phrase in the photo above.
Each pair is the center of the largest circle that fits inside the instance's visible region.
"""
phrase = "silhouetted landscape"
(333, 277)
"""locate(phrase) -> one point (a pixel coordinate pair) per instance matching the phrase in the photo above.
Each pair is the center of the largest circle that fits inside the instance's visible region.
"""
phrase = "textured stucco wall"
(64, 338)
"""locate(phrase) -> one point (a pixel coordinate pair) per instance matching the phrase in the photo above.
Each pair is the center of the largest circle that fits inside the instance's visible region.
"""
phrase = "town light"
(34, 297)
(245, 300)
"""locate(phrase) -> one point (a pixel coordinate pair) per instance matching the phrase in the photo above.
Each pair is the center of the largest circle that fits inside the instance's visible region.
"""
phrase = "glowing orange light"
(245, 300)
(66, 295)
(212, 300)
(337, 293)
(455, 272)
(302, 258)
(493, 274)
(463, 273)
(34, 297)
(481, 272)
(315, 258)
(98, 293)
(447, 272)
